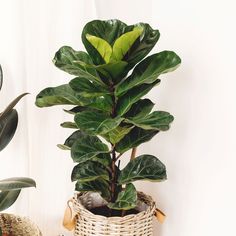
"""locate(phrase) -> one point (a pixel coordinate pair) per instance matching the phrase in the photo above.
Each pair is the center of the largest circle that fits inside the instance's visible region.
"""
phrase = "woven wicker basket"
(88, 224)
(18, 226)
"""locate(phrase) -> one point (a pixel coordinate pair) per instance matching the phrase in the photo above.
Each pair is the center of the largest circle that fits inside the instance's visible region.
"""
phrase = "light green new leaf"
(16, 183)
(134, 138)
(132, 96)
(86, 148)
(141, 108)
(115, 135)
(124, 43)
(144, 167)
(98, 185)
(87, 88)
(147, 71)
(126, 200)
(89, 171)
(101, 45)
(158, 120)
(7, 198)
(74, 63)
(96, 123)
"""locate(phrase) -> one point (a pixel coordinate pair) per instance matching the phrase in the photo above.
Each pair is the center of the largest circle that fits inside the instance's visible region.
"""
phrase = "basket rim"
(141, 196)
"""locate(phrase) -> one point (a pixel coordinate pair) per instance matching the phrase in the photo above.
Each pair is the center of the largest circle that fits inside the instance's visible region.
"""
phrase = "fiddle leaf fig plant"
(110, 115)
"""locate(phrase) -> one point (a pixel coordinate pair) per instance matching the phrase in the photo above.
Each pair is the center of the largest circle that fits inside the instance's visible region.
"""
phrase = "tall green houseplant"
(111, 116)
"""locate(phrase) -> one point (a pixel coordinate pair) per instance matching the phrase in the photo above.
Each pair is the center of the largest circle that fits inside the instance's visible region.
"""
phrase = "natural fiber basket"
(18, 226)
(88, 224)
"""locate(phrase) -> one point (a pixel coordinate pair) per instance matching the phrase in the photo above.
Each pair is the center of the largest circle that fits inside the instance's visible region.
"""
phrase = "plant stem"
(113, 175)
(133, 154)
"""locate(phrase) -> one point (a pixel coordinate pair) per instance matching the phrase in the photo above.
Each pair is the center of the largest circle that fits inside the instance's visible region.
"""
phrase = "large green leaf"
(8, 125)
(108, 30)
(71, 61)
(87, 88)
(101, 45)
(60, 95)
(147, 71)
(158, 120)
(144, 167)
(16, 183)
(140, 108)
(7, 198)
(134, 138)
(98, 185)
(126, 200)
(124, 43)
(115, 135)
(86, 148)
(96, 123)
(132, 96)
(89, 171)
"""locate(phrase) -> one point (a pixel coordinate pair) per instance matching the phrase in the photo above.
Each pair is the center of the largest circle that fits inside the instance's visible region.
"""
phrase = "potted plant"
(110, 118)
(10, 188)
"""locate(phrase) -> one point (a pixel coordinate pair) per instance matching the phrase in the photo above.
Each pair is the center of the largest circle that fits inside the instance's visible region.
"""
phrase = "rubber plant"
(110, 114)
(10, 188)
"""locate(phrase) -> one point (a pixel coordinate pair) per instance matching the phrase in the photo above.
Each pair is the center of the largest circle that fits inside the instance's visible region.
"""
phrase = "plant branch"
(133, 154)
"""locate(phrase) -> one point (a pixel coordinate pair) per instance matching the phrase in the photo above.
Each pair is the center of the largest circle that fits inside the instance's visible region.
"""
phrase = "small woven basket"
(88, 224)
(18, 226)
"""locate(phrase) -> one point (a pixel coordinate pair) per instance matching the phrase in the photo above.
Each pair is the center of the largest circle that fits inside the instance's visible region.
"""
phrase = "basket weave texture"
(89, 224)
(18, 226)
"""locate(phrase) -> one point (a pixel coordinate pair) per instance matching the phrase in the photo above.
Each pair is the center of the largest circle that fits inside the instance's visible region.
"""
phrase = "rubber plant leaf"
(144, 167)
(7, 198)
(16, 183)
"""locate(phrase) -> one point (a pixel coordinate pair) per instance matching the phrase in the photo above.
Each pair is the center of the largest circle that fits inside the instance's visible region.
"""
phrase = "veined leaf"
(87, 88)
(124, 43)
(98, 185)
(141, 108)
(134, 138)
(69, 124)
(132, 96)
(158, 120)
(7, 198)
(101, 45)
(73, 62)
(103, 158)
(8, 125)
(126, 200)
(16, 183)
(115, 135)
(147, 71)
(86, 148)
(89, 171)
(145, 167)
(96, 123)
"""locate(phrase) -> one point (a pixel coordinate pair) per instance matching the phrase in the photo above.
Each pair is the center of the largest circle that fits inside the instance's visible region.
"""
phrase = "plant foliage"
(108, 103)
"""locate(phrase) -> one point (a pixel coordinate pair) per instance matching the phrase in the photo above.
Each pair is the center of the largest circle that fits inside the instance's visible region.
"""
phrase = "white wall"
(199, 150)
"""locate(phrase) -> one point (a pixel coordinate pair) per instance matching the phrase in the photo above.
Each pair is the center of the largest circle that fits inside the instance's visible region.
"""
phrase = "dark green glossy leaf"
(69, 124)
(115, 135)
(98, 185)
(108, 30)
(1, 77)
(147, 71)
(96, 123)
(71, 61)
(73, 137)
(140, 108)
(87, 147)
(7, 198)
(8, 125)
(89, 171)
(132, 96)
(134, 138)
(86, 88)
(158, 120)
(103, 158)
(145, 167)
(126, 200)
(16, 183)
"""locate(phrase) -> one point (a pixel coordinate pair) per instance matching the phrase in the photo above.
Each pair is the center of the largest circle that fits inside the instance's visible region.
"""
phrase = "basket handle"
(69, 220)
(160, 216)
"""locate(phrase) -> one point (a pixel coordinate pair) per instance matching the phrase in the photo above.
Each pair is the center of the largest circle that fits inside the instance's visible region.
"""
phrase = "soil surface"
(105, 211)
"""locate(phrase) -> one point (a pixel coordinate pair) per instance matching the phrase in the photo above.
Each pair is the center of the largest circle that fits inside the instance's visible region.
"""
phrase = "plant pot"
(12, 225)
(87, 223)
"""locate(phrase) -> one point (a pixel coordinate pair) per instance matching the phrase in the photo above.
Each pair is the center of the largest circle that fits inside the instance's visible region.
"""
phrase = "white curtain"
(199, 150)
